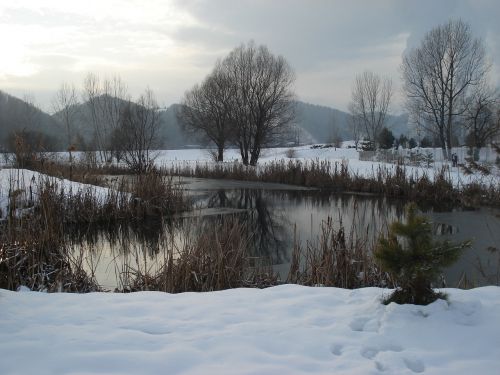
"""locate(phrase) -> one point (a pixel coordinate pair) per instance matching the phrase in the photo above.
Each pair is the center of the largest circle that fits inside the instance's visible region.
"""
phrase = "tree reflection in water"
(270, 217)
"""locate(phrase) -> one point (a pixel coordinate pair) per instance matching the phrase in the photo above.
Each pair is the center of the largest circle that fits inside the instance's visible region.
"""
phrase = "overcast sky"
(171, 45)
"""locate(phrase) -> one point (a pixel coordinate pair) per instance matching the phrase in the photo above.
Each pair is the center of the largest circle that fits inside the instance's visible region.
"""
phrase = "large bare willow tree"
(206, 108)
(438, 76)
(371, 98)
(262, 101)
(247, 100)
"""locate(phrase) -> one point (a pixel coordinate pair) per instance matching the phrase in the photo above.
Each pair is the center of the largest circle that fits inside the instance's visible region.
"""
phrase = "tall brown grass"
(216, 257)
(34, 246)
(219, 256)
(336, 259)
(395, 181)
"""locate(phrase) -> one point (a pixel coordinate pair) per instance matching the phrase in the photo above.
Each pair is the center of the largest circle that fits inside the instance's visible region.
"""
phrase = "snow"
(23, 180)
(287, 329)
(190, 157)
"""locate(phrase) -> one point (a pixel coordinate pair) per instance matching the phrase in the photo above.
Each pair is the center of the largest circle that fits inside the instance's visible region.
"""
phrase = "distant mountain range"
(314, 124)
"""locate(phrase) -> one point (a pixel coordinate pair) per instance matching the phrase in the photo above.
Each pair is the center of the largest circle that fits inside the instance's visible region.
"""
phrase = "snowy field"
(282, 330)
(191, 157)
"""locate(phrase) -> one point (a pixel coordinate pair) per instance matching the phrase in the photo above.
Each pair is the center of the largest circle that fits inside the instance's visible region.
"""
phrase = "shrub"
(290, 153)
(414, 259)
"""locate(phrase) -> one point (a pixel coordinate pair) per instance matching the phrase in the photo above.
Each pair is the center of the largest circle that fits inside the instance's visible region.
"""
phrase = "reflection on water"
(479, 265)
(278, 216)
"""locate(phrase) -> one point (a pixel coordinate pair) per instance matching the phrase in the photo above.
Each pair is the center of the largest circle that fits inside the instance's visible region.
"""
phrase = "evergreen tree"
(414, 259)
(426, 142)
(412, 143)
(402, 141)
(386, 139)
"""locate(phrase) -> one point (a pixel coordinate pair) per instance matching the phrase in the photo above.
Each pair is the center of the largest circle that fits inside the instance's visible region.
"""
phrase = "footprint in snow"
(371, 352)
(414, 365)
(379, 366)
(358, 324)
(336, 349)
(364, 324)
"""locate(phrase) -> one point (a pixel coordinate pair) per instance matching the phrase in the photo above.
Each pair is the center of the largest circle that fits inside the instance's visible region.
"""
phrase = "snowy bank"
(27, 182)
(282, 330)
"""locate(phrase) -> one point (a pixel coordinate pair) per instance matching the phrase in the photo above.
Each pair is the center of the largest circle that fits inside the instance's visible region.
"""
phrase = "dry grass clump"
(394, 181)
(32, 265)
(156, 195)
(34, 251)
(34, 245)
(215, 258)
(336, 260)
(390, 181)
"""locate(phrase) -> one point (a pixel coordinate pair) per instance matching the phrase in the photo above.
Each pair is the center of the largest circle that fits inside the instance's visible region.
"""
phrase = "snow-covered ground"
(282, 330)
(26, 184)
(191, 157)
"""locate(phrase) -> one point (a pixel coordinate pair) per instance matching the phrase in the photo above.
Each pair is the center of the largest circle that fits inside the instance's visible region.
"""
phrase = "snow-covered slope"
(282, 330)
(27, 182)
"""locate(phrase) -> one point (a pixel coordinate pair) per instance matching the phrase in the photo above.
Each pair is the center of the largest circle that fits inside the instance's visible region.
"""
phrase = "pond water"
(278, 215)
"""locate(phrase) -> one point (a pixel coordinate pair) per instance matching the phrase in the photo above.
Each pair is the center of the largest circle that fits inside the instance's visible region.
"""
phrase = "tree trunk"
(70, 164)
(254, 157)
(448, 141)
(220, 153)
(244, 155)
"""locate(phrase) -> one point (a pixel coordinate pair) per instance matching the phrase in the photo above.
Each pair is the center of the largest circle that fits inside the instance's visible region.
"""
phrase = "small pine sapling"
(414, 259)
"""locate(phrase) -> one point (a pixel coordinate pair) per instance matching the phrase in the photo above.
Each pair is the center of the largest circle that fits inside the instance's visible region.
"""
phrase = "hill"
(323, 122)
(314, 124)
(16, 116)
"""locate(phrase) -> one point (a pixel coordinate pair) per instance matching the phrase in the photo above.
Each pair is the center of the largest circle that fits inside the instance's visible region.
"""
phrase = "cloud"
(171, 45)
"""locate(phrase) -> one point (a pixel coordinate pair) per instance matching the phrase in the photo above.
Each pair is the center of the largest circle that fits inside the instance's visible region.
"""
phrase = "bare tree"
(438, 76)
(355, 126)
(65, 106)
(105, 101)
(371, 97)
(206, 108)
(335, 136)
(138, 132)
(480, 117)
(262, 99)
(90, 95)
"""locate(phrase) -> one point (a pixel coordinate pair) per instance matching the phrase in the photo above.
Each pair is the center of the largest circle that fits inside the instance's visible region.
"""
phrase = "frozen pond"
(276, 214)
